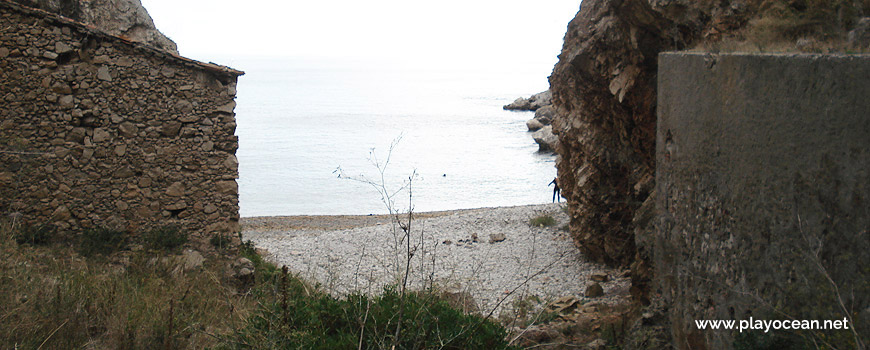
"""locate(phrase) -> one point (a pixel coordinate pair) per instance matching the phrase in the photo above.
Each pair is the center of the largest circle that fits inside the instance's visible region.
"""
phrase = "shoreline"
(347, 221)
(484, 252)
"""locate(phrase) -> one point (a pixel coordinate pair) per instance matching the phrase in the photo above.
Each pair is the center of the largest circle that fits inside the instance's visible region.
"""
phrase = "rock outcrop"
(530, 104)
(604, 93)
(539, 103)
(545, 138)
(125, 18)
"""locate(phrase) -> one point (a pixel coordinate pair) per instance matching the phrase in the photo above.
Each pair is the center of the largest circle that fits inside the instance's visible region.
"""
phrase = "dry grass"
(52, 298)
(815, 26)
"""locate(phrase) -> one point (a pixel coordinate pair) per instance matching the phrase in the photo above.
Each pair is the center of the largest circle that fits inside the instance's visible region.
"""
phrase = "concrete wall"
(96, 130)
(763, 192)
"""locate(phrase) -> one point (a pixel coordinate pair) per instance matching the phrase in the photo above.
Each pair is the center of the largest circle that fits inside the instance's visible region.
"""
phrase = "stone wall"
(99, 131)
(762, 193)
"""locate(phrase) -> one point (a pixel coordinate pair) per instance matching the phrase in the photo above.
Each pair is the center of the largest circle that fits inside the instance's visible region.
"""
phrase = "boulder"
(192, 259)
(594, 290)
(599, 277)
(242, 270)
(545, 114)
(520, 104)
(534, 125)
(546, 139)
(540, 99)
(532, 103)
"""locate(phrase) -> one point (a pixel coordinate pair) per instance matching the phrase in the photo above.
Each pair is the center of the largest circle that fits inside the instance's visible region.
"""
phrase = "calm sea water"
(301, 119)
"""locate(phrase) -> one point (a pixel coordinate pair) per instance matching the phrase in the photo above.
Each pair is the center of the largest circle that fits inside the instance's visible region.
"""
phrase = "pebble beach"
(494, 255)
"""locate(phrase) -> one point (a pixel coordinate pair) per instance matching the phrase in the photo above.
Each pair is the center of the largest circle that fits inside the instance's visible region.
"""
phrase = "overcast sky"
(443, 30)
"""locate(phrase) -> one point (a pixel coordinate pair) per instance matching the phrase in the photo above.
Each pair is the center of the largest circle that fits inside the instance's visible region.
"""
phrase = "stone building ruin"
(100, 131)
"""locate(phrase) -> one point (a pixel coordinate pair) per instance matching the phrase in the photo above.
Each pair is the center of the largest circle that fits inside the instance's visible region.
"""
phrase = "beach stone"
(594, 290)
(599, 277)
(497, 237)
(564, 305)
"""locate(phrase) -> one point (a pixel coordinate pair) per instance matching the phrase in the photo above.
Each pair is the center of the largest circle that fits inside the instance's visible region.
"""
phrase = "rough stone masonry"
(99, 131)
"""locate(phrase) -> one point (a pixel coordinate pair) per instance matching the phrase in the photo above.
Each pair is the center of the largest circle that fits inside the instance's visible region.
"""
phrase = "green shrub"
(35, 235)
(102, 241)
(542, 221)
(168, 237)
(324, 322)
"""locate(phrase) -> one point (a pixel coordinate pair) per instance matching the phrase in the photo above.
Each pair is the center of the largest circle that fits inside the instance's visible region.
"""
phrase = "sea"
(343, 136)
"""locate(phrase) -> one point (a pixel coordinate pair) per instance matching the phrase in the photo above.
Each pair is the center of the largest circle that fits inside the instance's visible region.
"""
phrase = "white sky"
(442, 30)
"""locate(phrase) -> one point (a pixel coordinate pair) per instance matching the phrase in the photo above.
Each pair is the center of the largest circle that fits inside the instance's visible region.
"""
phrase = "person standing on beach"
(556, 190)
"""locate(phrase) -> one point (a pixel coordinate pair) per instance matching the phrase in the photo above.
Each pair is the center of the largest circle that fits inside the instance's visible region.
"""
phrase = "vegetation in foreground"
(543, 221)
(107, 290)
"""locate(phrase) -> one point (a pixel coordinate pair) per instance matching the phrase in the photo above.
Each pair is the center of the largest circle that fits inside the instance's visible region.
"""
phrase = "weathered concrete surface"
(762, 192)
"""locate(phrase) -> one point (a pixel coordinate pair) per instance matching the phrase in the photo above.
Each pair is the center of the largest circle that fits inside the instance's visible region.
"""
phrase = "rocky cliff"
(125, 18)
(604, 91)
